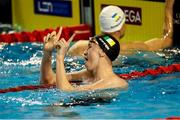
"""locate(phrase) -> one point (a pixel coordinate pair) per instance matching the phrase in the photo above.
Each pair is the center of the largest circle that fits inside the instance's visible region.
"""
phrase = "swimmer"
(116, 28)
(172, 21)
(171, 30)
(101, 51)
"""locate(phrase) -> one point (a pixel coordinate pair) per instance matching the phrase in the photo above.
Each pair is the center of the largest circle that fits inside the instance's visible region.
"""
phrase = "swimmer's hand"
(50, 38)
(62, 45)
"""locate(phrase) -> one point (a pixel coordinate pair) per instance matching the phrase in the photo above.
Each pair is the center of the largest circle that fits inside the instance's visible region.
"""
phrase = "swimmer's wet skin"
(101, 51)
(157, 90)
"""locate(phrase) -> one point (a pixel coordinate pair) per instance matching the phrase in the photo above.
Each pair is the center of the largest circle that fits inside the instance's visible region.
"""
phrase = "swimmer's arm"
(96, 86)
(168, 22)
(120, 84)
(62, 46)
(150, 45)
(47, 74)
(127, 48)
(78, 48)
(66, 86)
(166, 40)
(62, 81)
(158, 43)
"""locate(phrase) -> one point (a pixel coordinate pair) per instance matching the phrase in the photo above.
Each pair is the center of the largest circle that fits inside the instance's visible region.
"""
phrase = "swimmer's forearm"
(47, 74)
(133, 46)
(61, 78)
(47, 56)
(168, 29)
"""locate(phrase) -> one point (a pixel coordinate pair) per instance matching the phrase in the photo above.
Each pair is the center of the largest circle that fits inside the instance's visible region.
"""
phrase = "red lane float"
(173, 118)
(84, 36)
(169, 118)
(38, 35)
(159, 70)
(29, 87)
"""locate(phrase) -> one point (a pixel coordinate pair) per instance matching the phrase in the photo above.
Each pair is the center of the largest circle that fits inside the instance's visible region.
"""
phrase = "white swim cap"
(111, 19)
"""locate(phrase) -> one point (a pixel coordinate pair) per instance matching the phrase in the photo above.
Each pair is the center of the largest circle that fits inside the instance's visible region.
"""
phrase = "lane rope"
(135, 74)
(38, 35)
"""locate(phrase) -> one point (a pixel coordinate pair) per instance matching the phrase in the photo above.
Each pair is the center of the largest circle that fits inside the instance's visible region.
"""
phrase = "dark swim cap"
(109, 45)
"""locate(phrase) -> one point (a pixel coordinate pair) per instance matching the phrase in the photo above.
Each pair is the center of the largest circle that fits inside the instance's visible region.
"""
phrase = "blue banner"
(53, 7)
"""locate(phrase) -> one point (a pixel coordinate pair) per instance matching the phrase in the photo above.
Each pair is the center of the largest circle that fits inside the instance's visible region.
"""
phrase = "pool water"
(147, 97)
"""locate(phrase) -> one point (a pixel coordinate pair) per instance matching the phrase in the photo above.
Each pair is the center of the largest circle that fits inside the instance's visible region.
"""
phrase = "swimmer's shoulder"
(120, 83)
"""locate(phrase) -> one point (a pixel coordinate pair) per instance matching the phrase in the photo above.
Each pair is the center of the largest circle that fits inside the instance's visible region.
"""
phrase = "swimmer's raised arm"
(98, 63)
(166, 40)
(47, 74)
(79, 47)
(118, 32)
(168, 21)
(62, 81)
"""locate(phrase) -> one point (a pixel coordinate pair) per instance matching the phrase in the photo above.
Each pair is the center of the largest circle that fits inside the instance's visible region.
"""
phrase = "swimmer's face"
(122, 31)
(91, 55)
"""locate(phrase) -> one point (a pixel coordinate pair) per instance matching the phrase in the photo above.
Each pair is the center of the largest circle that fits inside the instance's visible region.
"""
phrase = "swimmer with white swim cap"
(112, 21)
(47, 74)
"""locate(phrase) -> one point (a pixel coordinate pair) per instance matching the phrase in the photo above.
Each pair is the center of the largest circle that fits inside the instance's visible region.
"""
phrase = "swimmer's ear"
(101, 53)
